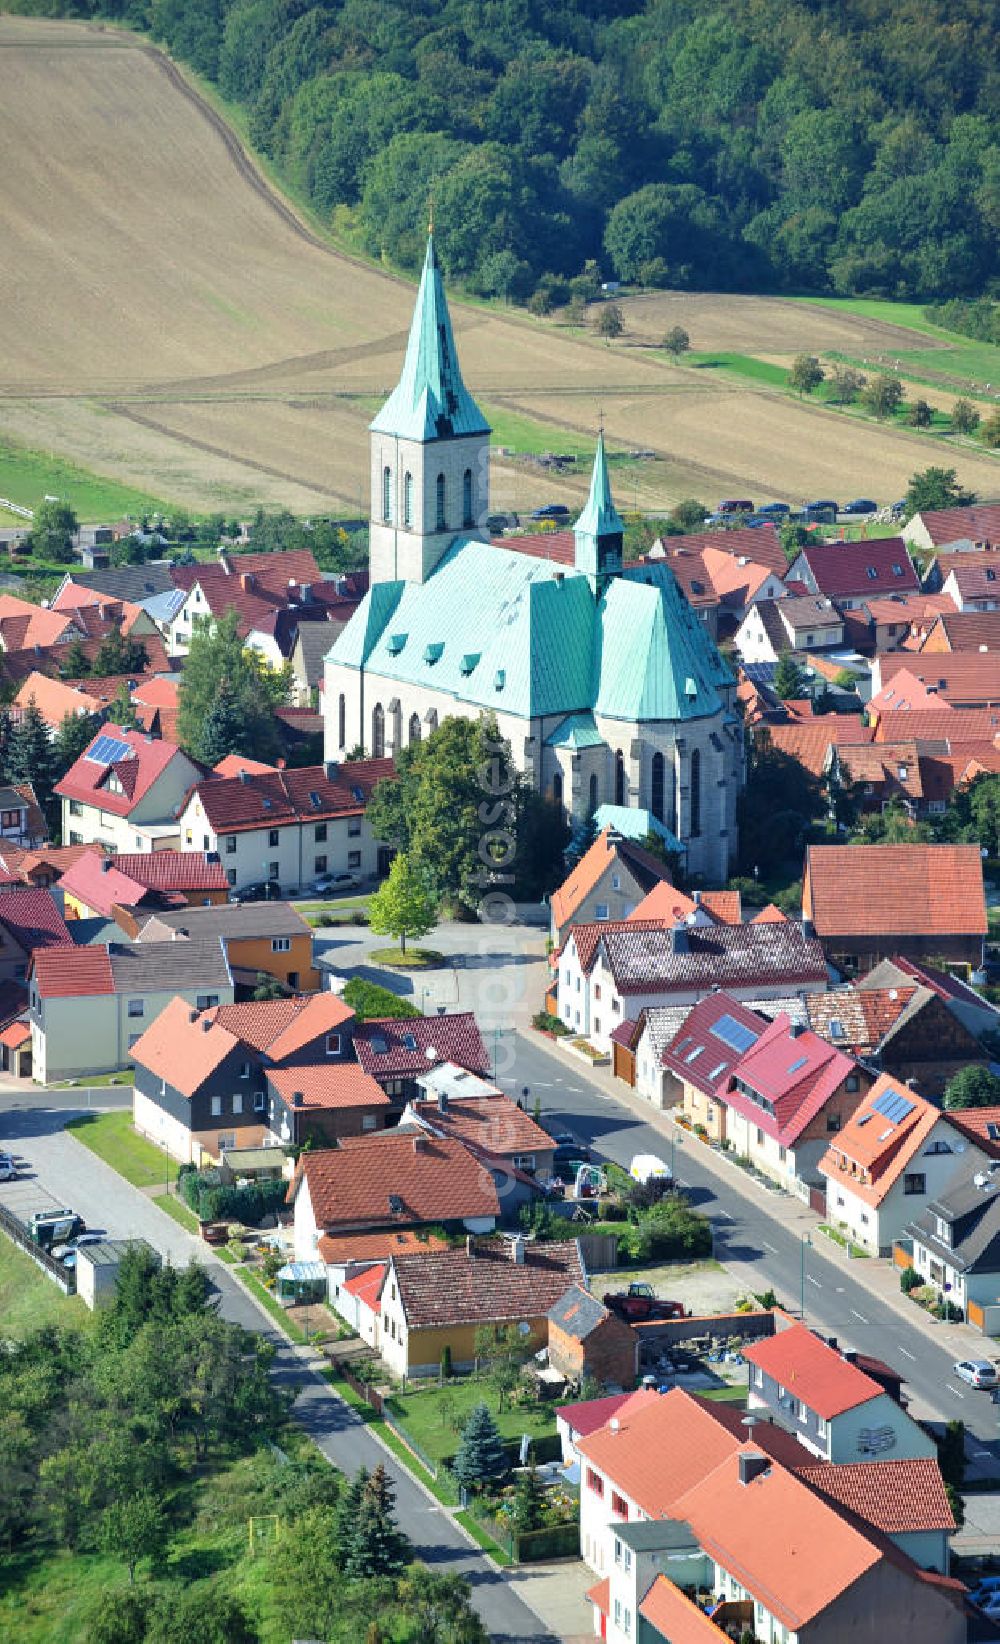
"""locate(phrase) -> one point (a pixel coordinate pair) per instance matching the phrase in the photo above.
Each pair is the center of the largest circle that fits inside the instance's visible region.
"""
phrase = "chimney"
(105, 864)
(679, 940)
(470, 1245)
(248, 581)
(752, 1464)
(419, 1144)
(206, 1023)
(517, 1250)
(305, 592)
(192, 1015)
(442, 1097)
(244, 776)
(297, 1098)
(795, 1030)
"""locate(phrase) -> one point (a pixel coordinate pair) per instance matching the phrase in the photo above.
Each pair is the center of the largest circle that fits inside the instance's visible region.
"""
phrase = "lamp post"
(805, 1240)
(675, 1143)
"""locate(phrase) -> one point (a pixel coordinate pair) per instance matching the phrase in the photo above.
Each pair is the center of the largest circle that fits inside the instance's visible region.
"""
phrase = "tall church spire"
(430, 401)
(599, 531)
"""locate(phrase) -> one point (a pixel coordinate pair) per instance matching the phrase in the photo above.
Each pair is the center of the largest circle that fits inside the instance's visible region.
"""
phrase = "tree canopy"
(228, 695)
(972, 1086)
(853, 149)
(406, 904)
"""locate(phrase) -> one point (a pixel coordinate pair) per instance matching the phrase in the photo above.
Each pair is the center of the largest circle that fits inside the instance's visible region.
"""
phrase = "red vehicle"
(639, 1303)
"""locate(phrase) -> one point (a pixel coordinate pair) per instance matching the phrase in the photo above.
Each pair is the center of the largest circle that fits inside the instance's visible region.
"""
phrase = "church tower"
(430, 449)
(599, 531)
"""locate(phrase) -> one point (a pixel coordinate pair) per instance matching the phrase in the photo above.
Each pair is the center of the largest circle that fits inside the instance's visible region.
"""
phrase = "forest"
(845, 146)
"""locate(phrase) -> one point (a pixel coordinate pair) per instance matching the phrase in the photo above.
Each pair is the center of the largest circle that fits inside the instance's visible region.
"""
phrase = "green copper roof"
(430, 401)
(655, 659)
(600, 517)
(635, 824)
(356, 641)
(576, 731)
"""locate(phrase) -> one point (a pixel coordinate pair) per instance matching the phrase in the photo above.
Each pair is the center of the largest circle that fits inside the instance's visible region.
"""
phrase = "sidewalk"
(876, 1273)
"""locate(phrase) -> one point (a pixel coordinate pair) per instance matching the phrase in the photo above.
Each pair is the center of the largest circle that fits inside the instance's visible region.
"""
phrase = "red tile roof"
(676, 1617)
(808, 743)
(367, 1286)
(707, 1048)
(980, 522)
(361, 1247)
(55, 698)
(724, 905)
(98, 883)
(879, 890)
(454, 1038)
(735, 956)
(328, 1085)
(440, 1287)
(797, 1073)
(33, 920)
(600, 1595)
(663, 905)
(233, 764)
(845, 569)
(494, 1125)
(360, 1182)
(174, 870)
(71, 972)
(137, 772)
(813, 1372)
(256, 586)
(963, 631)
(584, 878)
(898, 1497)
(769, 915)
(18, 1033)
(879, 1148)
(588, 1415)
(315, 1015)
(559, 546)
(958, 678)
(183, 1046)
(981, 1125)
(952, 726)
(23, 625)
(759, 544)
(55, 859)
(271, 799)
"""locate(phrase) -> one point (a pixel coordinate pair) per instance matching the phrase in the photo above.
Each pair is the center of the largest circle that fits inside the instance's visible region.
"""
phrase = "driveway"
(56, 1165)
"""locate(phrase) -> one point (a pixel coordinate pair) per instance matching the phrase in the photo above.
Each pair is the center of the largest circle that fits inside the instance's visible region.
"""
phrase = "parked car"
(825, 511)
(8, 1169)
(639, 1303)
(497, 523)
(568, 1147)
(860, 505)
(977, 1372)
(756, 520)
(779, 510)
(735, 505)
(49, 1227)
(551, 510)
(66, 1253)
(331, 884)
(265, 890)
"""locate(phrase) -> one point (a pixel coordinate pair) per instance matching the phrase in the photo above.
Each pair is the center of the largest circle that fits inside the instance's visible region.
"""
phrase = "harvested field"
(172, 322)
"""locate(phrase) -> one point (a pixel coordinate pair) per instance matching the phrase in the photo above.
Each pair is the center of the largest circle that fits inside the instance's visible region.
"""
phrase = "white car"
(8, 1169)
(66, 1253)
(646, 1167)
(977, 1372)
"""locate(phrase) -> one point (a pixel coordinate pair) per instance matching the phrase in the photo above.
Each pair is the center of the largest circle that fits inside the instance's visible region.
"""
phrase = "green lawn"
(112, 1138)
(527, 437)
(725, 1395)
(962, 358)
(740, 365)
(432, 1420)
(175, 1207)
(29, 1300)
(97, 1081)
(27, 477)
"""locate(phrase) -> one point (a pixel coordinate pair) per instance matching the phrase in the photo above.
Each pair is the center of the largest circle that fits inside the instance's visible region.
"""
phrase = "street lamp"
(806, 1240)
(675, 1143)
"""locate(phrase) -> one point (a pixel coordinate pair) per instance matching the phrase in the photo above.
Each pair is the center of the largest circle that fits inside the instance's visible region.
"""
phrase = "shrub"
(211, 1200)
(446, 1370)
(909, 1278)
(545, 1022)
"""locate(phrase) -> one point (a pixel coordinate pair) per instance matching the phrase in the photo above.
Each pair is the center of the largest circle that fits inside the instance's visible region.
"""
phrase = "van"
(735, 506)
(49, 1227)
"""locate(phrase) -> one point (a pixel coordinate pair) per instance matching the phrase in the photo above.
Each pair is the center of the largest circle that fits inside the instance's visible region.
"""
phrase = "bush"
(545, 1022)
(908, 1280)
(368, 999)
(211, 1200)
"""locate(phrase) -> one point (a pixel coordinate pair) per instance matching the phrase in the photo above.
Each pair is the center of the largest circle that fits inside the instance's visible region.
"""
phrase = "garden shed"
(301, 1282)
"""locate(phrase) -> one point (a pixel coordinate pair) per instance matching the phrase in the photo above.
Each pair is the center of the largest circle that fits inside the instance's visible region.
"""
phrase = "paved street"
(759, 1236)
(58, 1165)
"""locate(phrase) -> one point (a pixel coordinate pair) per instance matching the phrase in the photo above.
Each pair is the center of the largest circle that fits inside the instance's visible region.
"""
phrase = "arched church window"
(695, 793)
(387, 495)
(619, 778)
(414, 728)
(557, 788)
(342, 720)
(407, 499)
(432, 721)
(656, 787)
(592, 806)
(378, 732)
(440, 500)
(468, 517)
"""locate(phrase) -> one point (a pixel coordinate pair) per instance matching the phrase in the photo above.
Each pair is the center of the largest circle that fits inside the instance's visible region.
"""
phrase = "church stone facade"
(599, 674)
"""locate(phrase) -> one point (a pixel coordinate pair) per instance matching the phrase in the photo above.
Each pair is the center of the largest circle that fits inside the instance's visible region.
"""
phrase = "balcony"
(734, 1615)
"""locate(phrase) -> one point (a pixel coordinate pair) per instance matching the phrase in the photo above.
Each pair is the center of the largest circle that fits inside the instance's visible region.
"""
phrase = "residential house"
(971, 581)
(89, 1006)
(896, 623)
(704, 1048)
(608, 973)
(261, 588)
(959, 729)
(939, 529)
(738, 1515)
(124, 791)
(347, 1255)
(608, 882)
(23, 626)
(906, 1030)
(968, 1007)
(849, 573)
(55, 698)
(22, 824)
(437, 1301)
(454, 1102)
(976, 631)
(313, 640)
(956, 1246)
(399, 1052)
(41, 865)
(260, 938)
(30, 920)
(587, 1340)
(138, 584)
(830, 1403)
(261, 1072)
(884, 1166)
(903, 682)
(95, 885)
(393, 1180)
(289, 826)
(809, 742)
(574, 1421)
(805, 622)
(869, 902)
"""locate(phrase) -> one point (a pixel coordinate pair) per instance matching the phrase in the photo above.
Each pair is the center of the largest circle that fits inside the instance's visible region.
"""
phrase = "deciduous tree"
(972, 1086)
(133, 1529)
(677, 341)
(935, 488)
(610, 320)
(806, 374)
(964, 417)
(406, 904)
(883, 396)
(217, 660)
(52, 531)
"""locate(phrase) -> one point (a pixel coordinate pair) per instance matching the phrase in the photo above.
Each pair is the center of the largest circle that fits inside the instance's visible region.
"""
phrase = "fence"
(530, 1546)
(15, 1230)
(660, 1333)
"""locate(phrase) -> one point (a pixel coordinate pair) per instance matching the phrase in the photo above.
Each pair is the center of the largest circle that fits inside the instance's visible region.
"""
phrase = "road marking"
(859, 1316)
(771, 1247)
(982, 1453)
(907, 1354)
(954, 1390)
(814, 1281)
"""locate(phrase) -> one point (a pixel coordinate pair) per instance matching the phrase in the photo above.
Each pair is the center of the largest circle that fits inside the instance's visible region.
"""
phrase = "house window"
(757, 1376)
(272, 837)
(597, 992)
(133, 1039)
(319, 833)
(619, 778)
(803, 1412)
(832, 1122)
(414, 729)
(238, 1102)
(206, 1001)
(781, 1155)
(369, 1121)
(136, 1007)
(10, 819)
(245, 1071)
(333, 1044)
(597, 1024)
(227, 1138)
(616, 881)
(354, 827)
(619, 1506)
(915, 1182)
(280, 944)
(75, 808)
(216, 1107)
(595, 1482)
(760, 1136)
(467, 514)
(354, 859)
(852, 1082)
(258, 1101)
(230, 876)
(821, 1426)
(319, 864)
(272, 870)
(618, 1551)
(601, 911)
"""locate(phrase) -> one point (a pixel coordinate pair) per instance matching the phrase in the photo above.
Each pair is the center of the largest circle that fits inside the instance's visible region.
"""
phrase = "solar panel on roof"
(893, 1106)
(734, 1034)
(107, 750)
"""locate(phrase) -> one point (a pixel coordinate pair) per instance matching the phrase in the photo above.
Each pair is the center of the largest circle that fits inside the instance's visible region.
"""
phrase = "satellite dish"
(524, 1328)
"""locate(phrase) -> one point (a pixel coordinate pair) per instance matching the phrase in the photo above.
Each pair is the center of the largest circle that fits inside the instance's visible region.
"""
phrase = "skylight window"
(717, 1072)
(380, 1045)
(409, 1042)
(433, 653)
(836, 1029)
(873, 573)
(863, 1119)
(897, 570)
(692, 1055)
(800, 1061)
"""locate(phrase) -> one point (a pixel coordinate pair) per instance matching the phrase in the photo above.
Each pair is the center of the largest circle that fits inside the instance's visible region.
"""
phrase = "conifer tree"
(528, 1500)
(378, 1547)
(788, 681)
(348, 1510)
(30, 755)
(481, 1454)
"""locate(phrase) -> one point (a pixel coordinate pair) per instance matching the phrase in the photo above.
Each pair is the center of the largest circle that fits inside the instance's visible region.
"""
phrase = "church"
(598, 673)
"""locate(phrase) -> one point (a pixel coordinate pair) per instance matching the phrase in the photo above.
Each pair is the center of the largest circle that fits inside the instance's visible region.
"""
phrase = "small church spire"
(600, 530)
